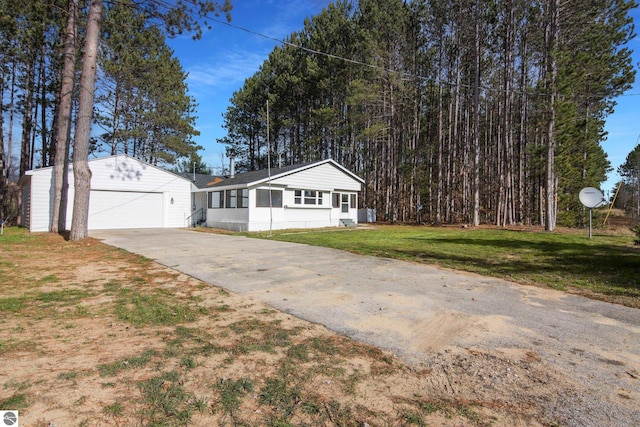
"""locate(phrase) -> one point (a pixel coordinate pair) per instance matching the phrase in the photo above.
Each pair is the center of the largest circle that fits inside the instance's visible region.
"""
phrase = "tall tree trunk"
(81, 171)
(27, 116)
(440, 182)
(46, 149)
(476, 122)
(3, 166)
(12, 98)
(550, 178)
(59, 217)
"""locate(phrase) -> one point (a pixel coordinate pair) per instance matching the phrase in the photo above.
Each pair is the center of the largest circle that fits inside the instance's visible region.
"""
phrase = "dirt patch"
(95, 336)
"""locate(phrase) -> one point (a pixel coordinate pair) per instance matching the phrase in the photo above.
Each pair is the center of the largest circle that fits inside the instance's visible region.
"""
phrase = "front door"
(344, 205)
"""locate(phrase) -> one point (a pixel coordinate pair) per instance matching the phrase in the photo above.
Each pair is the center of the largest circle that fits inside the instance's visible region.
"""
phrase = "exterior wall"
(122, 173)
(40, 200)
(118, 174)
(324, 177)
(198, 201)
(352, 213)
(235, 219)
(290, 215)
(261, 217)
(25, 205)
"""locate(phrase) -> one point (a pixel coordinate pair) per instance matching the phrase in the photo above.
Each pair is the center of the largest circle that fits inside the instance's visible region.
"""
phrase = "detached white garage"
(125, 193)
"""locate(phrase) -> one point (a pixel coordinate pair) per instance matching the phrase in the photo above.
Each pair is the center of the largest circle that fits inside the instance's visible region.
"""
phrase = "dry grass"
(95, 336)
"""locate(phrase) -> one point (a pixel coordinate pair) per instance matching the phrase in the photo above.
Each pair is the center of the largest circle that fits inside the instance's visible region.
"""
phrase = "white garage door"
(124, 209)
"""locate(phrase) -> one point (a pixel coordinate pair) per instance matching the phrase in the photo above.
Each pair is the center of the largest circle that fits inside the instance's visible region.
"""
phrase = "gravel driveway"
(419, 312)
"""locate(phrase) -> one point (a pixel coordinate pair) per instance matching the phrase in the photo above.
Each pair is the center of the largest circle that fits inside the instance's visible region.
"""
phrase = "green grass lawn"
(604, 267)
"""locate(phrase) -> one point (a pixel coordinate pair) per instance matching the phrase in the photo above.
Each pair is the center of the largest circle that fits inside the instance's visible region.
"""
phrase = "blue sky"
(623, 126)
(219, 63)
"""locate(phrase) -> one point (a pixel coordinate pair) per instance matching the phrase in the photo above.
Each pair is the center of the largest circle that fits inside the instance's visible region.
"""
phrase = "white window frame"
(307, 197)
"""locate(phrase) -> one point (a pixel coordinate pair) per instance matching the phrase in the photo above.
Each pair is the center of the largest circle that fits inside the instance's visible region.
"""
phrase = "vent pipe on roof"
(232, 167)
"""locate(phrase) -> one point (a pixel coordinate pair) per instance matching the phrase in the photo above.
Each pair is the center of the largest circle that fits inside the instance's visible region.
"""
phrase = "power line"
(378, 67)
(435, 80)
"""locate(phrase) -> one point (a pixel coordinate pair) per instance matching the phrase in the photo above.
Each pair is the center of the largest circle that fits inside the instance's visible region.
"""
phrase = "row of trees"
(452, 110)
(67, 65)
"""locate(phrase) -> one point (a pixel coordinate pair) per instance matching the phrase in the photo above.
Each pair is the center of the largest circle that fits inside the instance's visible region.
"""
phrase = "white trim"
(309, 166)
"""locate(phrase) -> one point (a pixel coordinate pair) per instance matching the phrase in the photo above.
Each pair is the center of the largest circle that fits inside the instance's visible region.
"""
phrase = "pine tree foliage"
(143, 107)
(452, 110)
(193, 164)
(629, 194)
(143, 104)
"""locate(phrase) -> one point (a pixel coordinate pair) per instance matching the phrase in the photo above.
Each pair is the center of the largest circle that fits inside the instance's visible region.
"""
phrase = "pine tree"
(176, 19)
(630, 173)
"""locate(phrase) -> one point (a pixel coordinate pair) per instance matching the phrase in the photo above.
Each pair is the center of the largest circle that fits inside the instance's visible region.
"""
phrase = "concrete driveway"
(413, 310)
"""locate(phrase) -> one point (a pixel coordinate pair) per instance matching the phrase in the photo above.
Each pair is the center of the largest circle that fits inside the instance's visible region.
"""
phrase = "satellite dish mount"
(591, 198)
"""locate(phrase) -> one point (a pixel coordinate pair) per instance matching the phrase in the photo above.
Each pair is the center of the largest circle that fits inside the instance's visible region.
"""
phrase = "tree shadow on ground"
(618, 266)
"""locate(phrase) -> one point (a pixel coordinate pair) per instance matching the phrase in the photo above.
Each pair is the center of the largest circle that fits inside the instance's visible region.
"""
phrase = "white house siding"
(234, 219)
(117, 183)
(326, 177)
(198, 200)
(39, 206)
(297, 216)
(122, 173)
(25, 206)
(263, 218)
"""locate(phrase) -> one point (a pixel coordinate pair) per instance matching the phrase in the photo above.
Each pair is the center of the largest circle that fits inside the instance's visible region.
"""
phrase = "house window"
(345, 203)
(354, 201)
(335, 200)
(230, 198)
(243, 198)
(307, 197)
(216, 199)
(236, 198)
(262, 198)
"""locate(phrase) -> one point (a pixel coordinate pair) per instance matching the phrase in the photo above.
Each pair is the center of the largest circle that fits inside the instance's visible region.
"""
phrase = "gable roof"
(112, 157)
(261, 176)
(201, 180)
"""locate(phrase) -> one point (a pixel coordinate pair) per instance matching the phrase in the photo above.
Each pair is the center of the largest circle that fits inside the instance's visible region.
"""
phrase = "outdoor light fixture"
(172, 200)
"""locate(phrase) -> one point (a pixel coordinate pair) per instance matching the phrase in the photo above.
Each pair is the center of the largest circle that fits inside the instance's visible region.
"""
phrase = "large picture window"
(262, 198)
(216, 199)
(307, 197)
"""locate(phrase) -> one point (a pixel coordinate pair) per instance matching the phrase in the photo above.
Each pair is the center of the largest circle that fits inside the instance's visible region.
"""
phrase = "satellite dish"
(591, 197)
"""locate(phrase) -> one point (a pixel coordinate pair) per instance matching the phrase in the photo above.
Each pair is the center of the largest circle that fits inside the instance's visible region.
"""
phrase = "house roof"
(201, 180)
(100, 159)
(259, 176)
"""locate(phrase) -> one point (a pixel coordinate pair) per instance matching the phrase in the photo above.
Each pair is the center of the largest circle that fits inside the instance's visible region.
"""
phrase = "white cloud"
(228, 70)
